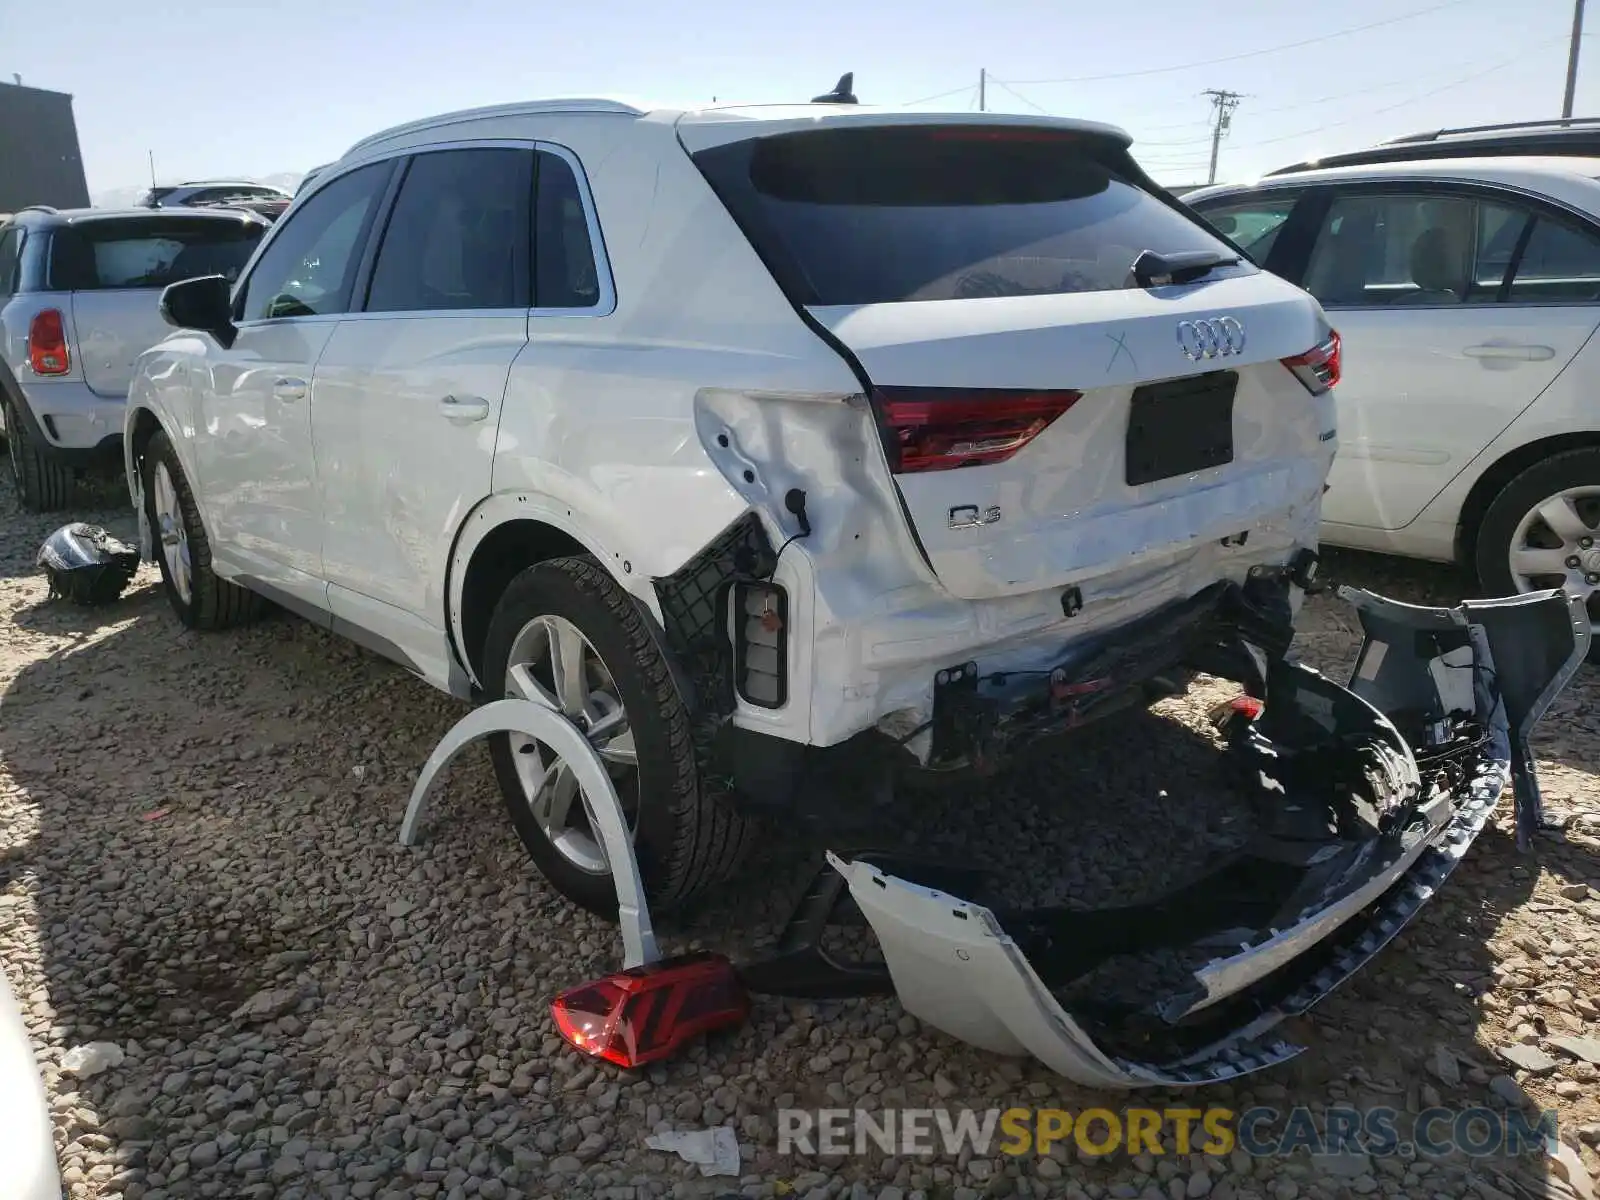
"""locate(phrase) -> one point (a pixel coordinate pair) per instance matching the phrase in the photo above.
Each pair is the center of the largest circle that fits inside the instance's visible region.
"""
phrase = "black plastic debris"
(86, 565)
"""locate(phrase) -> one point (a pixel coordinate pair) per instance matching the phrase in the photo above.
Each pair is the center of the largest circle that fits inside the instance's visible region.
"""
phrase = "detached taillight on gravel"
(1318, 368)
(644, 1014)
(47, 343)
(937, 429)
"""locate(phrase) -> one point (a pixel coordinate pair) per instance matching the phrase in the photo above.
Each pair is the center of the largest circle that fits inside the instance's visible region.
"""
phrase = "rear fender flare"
(505, 507)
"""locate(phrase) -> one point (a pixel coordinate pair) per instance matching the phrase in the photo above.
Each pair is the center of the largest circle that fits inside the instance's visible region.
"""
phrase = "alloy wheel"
(552, 664)
(1557, 544)
(172, 532)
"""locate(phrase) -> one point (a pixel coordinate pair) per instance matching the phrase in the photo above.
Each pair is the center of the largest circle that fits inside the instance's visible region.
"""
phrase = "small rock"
(1585, 1049)
(1199, 1185)
(1575, 891)
(267, 1005)
(204, 1154)
(1509, 1090)
(1446, 1066)
(90, 1060)
(567, 1164)
(1045, 1168)
(176, 1083)
(1528, 1058)
(396, 909)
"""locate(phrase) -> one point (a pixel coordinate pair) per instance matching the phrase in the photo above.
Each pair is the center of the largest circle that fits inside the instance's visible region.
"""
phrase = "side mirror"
(204, 304)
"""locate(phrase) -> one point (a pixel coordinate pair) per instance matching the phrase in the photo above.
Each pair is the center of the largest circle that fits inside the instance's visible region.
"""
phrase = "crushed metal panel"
(955, 966)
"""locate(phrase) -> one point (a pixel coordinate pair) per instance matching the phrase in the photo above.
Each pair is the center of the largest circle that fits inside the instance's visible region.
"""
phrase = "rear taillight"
(936, 429)
(1318, 367)
(47, 344)
(645, 1014)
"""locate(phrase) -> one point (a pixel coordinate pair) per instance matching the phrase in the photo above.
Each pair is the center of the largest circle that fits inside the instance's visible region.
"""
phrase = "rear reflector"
(645, 1014)
(937, 429)
(47, 344)
(1318, 368)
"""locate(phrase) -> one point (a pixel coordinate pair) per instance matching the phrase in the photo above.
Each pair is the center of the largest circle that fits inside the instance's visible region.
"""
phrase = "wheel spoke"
(1532, 560)
(1561, 514)
(567, 668)
(553, 803)
(520, 682)
(607, 726)
(619, 749)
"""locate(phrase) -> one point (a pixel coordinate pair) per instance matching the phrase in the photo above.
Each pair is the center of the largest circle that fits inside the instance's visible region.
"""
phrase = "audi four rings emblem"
(1215, 337)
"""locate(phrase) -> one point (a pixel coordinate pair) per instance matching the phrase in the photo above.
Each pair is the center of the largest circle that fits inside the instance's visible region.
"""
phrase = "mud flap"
(598, 794)
(1466, 684)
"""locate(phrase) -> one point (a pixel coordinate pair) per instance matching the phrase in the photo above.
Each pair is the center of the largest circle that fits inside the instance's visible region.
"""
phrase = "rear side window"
(566, 272)
(10, 260)
(1559, 263)
(140, 253)
(866, 216)
(458, 236)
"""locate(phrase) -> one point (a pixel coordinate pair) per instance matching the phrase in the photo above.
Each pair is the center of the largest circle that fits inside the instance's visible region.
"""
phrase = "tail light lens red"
(47, 344)
(938, 429)
(1318, 368)
(645, 1014)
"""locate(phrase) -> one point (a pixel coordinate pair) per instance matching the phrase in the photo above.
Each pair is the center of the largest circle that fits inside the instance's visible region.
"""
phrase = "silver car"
(79, 296)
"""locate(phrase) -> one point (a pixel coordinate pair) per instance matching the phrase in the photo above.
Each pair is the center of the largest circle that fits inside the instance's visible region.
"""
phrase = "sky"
(232, 89)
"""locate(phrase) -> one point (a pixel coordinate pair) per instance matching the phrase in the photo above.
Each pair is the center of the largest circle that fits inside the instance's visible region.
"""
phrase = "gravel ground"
(198, 864)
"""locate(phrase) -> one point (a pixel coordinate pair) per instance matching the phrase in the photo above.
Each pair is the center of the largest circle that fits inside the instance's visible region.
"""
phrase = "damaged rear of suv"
(758, 455)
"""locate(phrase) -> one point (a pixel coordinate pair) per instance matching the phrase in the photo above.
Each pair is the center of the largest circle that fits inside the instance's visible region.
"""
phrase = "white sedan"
(1467, 293)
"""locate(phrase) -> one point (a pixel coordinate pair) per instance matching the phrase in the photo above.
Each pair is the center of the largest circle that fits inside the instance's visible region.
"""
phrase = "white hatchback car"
(759, 441)
(1467, 294)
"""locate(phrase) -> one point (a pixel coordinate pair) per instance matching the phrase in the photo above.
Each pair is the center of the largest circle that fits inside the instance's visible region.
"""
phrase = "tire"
(1499, 529)
(43, 485)
(212, 602)
(685, 838)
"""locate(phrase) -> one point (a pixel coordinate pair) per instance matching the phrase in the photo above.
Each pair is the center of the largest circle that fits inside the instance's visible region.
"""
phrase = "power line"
(1211, 62)
(939, 96)
(1388, 108)
(1006, 87)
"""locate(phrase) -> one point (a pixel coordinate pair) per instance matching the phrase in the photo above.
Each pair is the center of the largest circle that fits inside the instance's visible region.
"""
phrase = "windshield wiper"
(1157, 270)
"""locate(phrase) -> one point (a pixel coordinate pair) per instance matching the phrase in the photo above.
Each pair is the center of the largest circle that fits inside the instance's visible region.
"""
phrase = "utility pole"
(983, 86)
(1223, 103)
(1572, 59)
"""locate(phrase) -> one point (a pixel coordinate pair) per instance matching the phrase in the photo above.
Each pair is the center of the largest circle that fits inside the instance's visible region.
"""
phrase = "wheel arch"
(1500, 473)
(501, 537)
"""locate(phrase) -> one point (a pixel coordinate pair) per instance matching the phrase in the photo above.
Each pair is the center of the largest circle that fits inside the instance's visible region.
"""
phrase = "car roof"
(1570, 178)
(728, 122)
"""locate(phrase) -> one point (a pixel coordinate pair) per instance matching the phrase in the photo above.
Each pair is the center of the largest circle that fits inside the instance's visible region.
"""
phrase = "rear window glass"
(108, 254)
(864, 216)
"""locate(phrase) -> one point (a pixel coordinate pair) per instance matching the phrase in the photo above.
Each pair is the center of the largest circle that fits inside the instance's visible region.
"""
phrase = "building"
(40, 162)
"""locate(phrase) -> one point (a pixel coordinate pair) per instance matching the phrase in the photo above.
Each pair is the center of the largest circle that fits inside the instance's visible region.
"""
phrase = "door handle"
(463, 410)
(1518, 353)
(285, 388)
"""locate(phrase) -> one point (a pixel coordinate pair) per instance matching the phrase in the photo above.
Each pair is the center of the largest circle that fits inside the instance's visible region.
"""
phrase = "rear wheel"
(43, 485)
(566, 636)
(201, 598)
(1543, 531)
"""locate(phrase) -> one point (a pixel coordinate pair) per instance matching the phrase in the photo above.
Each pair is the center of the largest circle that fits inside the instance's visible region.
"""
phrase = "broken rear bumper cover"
(1366, 796)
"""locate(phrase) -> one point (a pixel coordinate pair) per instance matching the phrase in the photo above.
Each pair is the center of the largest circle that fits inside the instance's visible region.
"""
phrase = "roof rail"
(522, 108)
(1527, 143)
(1553, 123)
